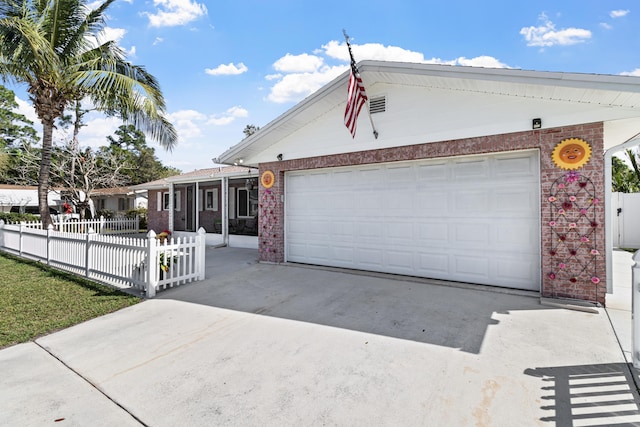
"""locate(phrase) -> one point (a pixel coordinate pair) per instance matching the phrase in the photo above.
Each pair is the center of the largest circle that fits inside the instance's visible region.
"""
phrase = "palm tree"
(53, 47)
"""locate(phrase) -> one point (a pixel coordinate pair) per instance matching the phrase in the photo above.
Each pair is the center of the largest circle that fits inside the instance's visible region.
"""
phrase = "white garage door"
(471, 219)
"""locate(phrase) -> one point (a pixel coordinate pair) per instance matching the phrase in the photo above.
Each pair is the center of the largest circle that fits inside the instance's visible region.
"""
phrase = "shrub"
(141, 213)
(8, 217)
(106, 213)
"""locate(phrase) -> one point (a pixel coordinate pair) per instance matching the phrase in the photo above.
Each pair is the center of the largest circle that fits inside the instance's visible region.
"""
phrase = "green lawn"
(36, 300)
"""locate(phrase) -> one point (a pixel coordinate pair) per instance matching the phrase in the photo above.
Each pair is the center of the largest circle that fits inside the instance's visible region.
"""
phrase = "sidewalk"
(267, 345)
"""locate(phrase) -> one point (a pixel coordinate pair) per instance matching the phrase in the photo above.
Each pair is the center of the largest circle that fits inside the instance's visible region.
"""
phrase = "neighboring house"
(119, 200)
(467, 180)
(222, 200)
(25, 196)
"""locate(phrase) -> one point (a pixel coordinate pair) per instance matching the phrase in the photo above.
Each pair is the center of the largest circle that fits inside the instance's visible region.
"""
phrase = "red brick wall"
(271, 226)
(158, 220)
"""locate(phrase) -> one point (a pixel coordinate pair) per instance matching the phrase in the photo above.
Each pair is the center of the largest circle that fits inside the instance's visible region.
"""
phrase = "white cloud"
(187, 123)
(635, 72)
(546, 35)
(111, 34)
(481, 61)
(338, 50)
(172, 13)
(158, 40)
(300, 75)
(296, 86)
(228, 116)
(26, 109)
(618, 13)
(303, 63)
(227, 70)
(97, 128)
(605, 26)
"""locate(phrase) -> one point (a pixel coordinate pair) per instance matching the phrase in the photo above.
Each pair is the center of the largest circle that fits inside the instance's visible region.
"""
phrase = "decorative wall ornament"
(268, 220)
(267, 179)
(571, 153)
(572, 200)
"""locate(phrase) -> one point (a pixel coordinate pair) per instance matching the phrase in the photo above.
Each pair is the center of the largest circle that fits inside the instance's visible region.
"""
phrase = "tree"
(622, 177)
(131, 148)
(15, 131)
(93, 169)
(15, 128)
(54, 48)
(634, 158)
(250, 130)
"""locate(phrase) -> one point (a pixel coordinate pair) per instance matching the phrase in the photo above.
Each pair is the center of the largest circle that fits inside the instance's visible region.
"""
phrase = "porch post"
(225, 210)
(197, 207)
(171, 206)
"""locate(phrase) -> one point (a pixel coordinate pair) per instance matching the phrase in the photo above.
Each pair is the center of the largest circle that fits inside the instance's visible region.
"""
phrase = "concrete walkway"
(266, 345)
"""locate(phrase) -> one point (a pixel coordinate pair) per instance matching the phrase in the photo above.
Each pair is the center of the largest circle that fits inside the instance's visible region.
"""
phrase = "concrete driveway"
(266, 345)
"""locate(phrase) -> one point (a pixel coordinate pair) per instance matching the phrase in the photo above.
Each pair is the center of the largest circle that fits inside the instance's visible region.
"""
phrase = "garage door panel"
(467, 169)
(400, 261)
(514, 272)
(514, 166)
(433, 264)
(370, 258)
(345, 255)
(433, 233)
(368, 231)
(472, 235)
(473, 219)
(514, 200)
(514, 236)
(432, 173)
(471, 268)
(431, 202)
(468, 202)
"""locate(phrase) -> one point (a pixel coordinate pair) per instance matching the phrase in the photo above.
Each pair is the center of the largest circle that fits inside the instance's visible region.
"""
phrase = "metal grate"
(378, 105)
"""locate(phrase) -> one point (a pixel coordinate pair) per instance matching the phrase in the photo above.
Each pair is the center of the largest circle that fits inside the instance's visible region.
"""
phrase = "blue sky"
(223, 65)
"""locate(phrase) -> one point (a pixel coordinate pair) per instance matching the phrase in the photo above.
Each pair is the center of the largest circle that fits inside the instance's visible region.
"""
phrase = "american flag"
(356, 97)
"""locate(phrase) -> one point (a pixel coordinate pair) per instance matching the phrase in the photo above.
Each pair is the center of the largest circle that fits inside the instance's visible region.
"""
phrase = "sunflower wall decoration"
(268, 179)
(571, 153)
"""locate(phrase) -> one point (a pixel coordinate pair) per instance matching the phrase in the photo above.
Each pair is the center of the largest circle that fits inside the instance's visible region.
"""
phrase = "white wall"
(625, 226)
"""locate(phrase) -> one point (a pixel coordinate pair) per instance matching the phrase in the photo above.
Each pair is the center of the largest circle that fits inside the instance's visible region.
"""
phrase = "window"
(247, 202)
(211, 200)
(123, 204)
(176, 201)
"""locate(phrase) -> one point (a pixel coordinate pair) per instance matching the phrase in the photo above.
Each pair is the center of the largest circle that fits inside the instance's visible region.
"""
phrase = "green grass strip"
(36, 300)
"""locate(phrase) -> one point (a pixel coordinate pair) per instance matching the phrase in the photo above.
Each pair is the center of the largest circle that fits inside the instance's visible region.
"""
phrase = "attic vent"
(378, 105)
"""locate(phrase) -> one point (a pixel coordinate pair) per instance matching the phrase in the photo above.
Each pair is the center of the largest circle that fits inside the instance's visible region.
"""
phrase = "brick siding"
(579, 286)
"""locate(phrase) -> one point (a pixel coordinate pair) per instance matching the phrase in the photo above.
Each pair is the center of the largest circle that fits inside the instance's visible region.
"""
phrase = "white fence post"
(635, 314)
(22, 226)
(153, 266)
(49, 230)
(201, 247)
(87, 254)
(1, 233)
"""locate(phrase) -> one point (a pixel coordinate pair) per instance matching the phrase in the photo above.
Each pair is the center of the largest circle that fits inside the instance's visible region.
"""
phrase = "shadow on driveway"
(597, 395)
(412, 310)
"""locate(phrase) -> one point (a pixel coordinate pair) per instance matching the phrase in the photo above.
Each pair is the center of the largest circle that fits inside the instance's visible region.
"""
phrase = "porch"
(217, 239)
(223, 201)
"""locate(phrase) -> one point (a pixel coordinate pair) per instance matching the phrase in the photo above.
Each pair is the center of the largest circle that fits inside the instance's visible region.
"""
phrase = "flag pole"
(353, 67)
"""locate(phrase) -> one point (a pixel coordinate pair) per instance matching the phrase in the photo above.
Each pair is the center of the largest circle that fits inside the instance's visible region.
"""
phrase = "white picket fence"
(123, 262)
(100, 225)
